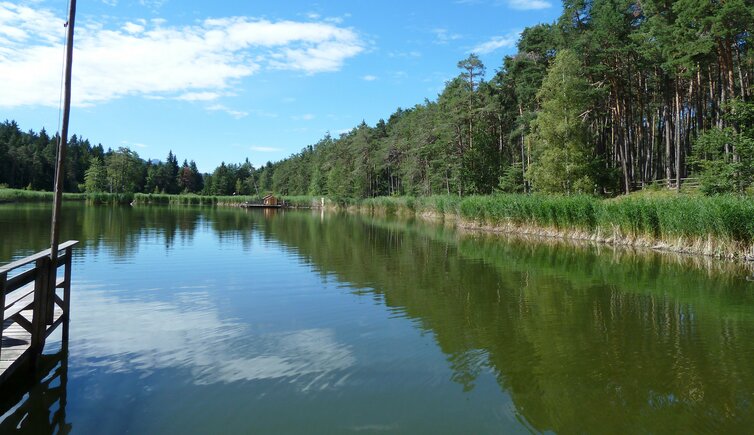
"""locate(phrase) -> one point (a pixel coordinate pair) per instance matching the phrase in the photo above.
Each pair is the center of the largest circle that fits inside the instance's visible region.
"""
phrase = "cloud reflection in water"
(189, 333)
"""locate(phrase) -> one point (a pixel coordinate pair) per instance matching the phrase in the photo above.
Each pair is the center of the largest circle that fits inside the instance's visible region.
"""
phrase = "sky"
(230, 80)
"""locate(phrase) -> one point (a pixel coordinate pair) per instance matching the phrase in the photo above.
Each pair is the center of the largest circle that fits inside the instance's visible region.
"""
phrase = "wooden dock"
(34, 301)
(254, 205)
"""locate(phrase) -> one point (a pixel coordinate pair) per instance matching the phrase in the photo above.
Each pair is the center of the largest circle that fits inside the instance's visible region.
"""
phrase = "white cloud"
(406, 54)
(443, 36)
(199, 96)
(133, 144)
(497, 42)
(528, 4)
(265, 149)
(369, 78)
(133, 28)
(513, 4)
(238, 114)
(153, 4)
(153, 59)
(190, 333)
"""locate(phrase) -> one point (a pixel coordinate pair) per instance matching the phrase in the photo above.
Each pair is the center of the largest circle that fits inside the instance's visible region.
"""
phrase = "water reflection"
(582, 339)
(645, 342)
(37, 405)
(189, 333)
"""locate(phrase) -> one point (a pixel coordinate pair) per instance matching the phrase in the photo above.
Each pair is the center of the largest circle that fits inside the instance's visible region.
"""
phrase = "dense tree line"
(27, 161)
(610, 97)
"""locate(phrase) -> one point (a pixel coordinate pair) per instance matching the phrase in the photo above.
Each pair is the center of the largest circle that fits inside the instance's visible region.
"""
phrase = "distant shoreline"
(720, 227)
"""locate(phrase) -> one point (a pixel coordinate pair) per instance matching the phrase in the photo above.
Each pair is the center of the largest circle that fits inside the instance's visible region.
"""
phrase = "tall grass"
(191, 199)
(19, 195)
(724, 218)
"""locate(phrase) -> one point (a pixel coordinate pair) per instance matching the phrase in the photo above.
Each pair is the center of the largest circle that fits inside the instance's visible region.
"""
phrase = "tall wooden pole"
(59, 172)
(47, 298)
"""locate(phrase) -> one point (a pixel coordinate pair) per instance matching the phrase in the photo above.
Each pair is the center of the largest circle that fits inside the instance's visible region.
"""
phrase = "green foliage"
(125, 171)
(724, 158)
(95, 179)
(560, 133)
(610, 96)
(20, 195)
(726, 218)
(512, 180)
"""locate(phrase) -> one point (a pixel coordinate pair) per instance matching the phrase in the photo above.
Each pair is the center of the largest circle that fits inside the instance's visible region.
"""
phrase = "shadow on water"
(37, 404)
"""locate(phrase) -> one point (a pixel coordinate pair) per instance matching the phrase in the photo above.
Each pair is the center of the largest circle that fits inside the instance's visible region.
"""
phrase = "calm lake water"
(201, 320)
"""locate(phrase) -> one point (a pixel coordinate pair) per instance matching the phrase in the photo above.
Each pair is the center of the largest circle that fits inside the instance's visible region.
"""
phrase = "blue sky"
(227, 80)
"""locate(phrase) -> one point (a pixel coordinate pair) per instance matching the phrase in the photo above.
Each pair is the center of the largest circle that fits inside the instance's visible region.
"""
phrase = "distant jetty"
(269, 201)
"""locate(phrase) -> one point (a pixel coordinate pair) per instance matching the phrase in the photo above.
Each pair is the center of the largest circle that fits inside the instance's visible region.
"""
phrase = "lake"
(215, 320)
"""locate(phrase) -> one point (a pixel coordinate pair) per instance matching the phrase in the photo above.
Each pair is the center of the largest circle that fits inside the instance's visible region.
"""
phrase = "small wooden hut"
(270, 200)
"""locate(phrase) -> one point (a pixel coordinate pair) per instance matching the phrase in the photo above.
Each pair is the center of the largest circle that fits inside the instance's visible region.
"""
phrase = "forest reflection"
(583, 338)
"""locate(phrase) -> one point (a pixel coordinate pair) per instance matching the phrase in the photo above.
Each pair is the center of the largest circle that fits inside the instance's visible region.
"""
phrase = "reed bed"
(20, 195)
(719, 225)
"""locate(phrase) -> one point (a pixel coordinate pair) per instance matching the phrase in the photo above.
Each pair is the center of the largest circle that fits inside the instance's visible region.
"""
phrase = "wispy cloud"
(199, 96)
(265, 149)
(443, 36)
(513, 4)
(406, 54)
(497, 42)
(369, 78)
(238, 114)
(154, 59)
(528, 4)
(133, 144)
(153, 5)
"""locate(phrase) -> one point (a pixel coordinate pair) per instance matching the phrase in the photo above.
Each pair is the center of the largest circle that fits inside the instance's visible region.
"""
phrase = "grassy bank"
(721, 226)
(19, 195)
(235, 200)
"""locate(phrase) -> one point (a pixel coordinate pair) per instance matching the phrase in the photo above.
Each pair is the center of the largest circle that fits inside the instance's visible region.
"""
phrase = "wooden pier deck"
(34, 301)
(253, 205)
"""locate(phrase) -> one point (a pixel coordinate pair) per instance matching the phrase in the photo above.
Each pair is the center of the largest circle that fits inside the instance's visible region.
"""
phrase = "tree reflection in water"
(37, 404)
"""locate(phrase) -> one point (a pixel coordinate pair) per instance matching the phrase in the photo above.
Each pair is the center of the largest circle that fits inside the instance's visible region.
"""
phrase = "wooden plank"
(23, 323)
(3, 279)
(66, 305)
(14, 353)
(19, 294)
(32, 258)
(21, 280)
(19, 306)
(40, 309)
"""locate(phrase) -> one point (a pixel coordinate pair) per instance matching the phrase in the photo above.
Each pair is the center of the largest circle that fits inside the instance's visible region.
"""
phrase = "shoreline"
(712, 227)
(710, 246)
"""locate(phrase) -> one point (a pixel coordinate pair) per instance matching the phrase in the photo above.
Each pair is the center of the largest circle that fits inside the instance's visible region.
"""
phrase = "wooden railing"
(663, 182)
(33, 291)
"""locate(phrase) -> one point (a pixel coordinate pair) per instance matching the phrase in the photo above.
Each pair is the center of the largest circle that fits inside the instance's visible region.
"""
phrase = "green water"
(190, 320)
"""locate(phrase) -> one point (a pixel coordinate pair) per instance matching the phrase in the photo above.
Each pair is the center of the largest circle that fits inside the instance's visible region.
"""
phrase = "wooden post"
(67, 294)
(3, 279)
(39, 309)
(49, 305)
(59, 172)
